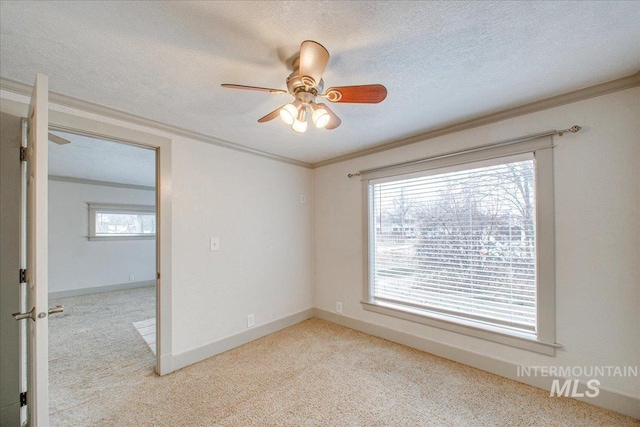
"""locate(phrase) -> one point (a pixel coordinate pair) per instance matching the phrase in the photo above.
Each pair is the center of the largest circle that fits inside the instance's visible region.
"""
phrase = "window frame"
(94, 208)
(543, 340)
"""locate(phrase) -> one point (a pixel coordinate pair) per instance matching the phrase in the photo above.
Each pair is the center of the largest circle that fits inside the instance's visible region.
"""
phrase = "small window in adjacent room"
(457, 246)
(121, 222)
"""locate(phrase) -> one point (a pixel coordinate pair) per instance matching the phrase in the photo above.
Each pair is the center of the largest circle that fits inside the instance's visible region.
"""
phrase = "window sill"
(118, 238)
(500, 335)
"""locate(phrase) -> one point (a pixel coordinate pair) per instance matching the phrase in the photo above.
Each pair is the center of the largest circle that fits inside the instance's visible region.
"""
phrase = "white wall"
(265, 265)
(253, 205)
(597, 190)
(77, 263)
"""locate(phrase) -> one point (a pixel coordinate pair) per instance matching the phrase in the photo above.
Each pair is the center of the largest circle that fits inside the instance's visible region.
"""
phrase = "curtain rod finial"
(572, 129)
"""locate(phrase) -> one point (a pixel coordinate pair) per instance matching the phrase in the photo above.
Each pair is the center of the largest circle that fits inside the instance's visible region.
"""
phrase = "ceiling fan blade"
(366, 94)
(334, 121)
(58, 139)
(259, 89)
(272, 115)
(313, 60)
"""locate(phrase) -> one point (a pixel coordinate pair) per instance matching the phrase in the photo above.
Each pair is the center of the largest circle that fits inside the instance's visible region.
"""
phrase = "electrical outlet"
(214, 244)
(131, 277)
(251, 321)
(338, 307)
(303, 198)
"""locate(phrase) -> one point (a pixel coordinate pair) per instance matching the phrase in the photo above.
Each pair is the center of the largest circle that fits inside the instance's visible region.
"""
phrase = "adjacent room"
(102, 265)
(413, 213)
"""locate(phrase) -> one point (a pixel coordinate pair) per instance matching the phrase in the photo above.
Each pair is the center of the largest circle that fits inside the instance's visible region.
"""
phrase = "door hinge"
(23, 154)
(23, 399)
(158, 275)
(23, 275)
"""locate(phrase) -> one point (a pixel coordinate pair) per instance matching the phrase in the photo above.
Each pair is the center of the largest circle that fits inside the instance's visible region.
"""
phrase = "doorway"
(102, 269)
(120, 130)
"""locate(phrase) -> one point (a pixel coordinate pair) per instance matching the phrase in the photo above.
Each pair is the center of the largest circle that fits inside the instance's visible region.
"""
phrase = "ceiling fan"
(58, 139)
(305, 84)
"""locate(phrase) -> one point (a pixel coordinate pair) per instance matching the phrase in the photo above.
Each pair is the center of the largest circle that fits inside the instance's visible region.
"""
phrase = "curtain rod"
(572, 129)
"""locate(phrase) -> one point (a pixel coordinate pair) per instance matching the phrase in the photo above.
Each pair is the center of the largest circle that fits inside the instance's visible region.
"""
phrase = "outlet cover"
(251, 321)
(338, 307)
(131, 277)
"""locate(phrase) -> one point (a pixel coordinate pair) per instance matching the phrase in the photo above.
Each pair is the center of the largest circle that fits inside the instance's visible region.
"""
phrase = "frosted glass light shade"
(320, 117)
(300, 122)
(299, 126)
(288, 113)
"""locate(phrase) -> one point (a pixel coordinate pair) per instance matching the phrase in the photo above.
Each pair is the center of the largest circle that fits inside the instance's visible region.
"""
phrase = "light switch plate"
(214, 244)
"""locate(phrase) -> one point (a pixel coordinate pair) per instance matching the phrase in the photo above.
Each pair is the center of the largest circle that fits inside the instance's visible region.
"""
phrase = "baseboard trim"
(165, 365)
(608, 399)
(101, 289)
(198, 354)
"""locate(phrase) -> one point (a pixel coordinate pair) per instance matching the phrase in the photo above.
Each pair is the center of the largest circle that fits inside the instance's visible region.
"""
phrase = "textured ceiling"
(442, 62)
(100, 160)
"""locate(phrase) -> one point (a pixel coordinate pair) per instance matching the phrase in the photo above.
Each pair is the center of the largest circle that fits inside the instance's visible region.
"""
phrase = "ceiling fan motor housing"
(296, 84)
(305, 97)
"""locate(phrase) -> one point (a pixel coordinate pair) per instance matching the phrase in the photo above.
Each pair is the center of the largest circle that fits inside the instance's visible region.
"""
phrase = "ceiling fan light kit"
(300, 122)
(319, 115)
(289, 112)
(305, 84)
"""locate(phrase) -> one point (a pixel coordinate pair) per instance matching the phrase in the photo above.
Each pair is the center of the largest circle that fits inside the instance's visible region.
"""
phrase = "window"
(457, 244)
(121, 222)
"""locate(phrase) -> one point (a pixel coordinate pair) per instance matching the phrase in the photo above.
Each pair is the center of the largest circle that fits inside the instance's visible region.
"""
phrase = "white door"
(36, 256)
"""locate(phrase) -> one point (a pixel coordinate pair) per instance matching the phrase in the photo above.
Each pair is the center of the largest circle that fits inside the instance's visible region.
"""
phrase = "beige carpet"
(312, 374)
(95, 352)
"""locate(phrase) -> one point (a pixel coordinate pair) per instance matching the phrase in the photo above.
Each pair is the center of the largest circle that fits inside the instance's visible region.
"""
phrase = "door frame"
(114, 132)
(162, 146)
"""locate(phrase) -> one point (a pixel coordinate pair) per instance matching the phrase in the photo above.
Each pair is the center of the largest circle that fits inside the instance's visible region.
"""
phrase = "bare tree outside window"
(474, 250)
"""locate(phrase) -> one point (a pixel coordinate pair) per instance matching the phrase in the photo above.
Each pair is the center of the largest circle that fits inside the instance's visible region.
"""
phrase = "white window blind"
(460, 243)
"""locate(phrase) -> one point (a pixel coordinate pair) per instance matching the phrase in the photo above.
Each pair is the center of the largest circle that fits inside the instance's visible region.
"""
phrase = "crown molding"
(521, 110)
(89, 107)
(100, 183)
